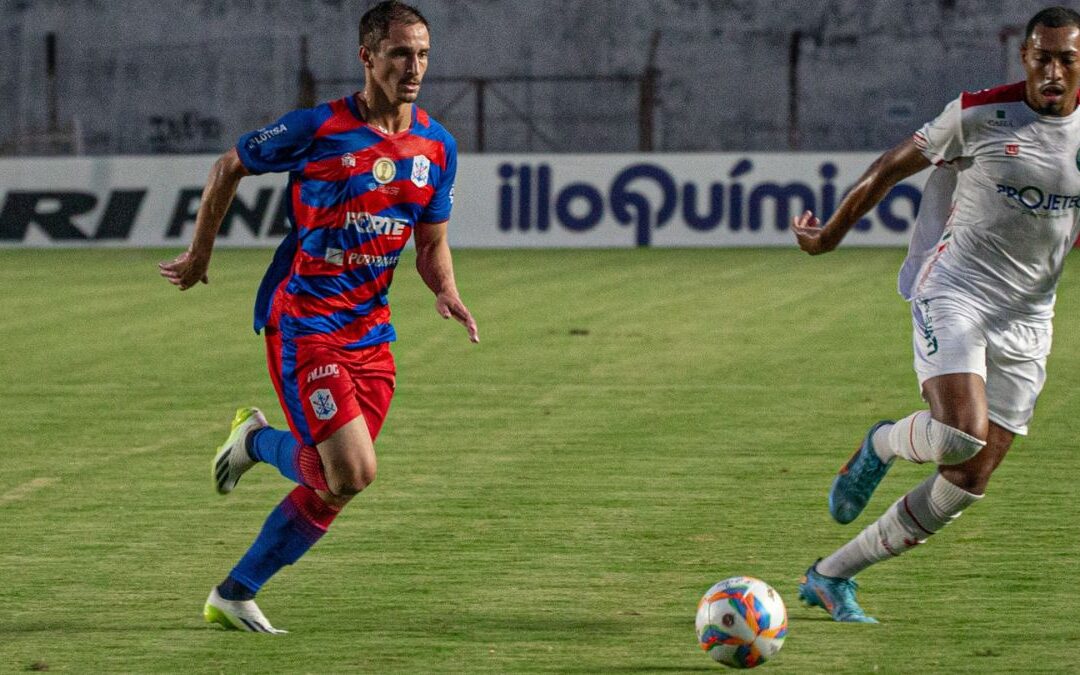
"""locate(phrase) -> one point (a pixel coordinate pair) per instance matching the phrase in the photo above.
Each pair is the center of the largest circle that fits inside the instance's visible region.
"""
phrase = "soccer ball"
(741, 622)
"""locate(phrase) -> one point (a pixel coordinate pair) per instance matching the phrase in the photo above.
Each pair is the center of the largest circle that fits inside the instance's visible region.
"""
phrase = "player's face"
(398, 65)
(1052, 63)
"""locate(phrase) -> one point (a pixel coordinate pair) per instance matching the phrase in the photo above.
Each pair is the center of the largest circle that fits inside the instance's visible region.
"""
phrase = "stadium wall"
(502, 201)
(143, 77)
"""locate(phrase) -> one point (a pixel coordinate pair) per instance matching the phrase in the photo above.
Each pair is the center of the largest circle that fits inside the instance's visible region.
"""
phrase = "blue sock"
(293, 527)
(276, 447)
(231, 589)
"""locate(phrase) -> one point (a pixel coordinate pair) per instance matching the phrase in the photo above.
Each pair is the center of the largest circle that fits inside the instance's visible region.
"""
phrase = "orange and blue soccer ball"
(741, 622)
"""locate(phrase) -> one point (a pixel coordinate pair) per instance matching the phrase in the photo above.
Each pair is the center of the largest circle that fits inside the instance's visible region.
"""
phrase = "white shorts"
(954, 335)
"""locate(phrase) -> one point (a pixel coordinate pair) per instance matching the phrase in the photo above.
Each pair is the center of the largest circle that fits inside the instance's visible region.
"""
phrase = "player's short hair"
(1052, 17)
(375, 24)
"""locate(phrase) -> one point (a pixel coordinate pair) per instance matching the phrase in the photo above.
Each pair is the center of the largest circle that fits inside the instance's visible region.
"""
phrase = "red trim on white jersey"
(1006, 93)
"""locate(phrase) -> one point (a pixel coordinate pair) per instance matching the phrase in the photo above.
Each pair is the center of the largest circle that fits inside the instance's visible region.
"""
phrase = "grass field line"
(124, 454)
(27, 488)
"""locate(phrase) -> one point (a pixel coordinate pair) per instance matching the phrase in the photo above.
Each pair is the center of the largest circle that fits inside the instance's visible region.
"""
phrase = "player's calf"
(912, 519)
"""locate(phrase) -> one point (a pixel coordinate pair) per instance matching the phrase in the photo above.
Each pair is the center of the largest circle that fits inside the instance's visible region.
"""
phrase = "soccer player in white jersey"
(997, 221)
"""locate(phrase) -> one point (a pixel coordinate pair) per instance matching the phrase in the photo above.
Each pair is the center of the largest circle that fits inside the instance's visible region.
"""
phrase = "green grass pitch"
(634, 426)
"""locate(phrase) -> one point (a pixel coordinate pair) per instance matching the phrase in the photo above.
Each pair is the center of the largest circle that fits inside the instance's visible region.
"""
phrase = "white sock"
(932, 505)
(920, 438)
(882, 445)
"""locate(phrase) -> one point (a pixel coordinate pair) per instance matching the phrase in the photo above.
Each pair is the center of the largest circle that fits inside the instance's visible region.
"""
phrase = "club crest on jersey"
(348, 160)
(421, 170)
(384, 170)
(322, 402)
(1012, 149)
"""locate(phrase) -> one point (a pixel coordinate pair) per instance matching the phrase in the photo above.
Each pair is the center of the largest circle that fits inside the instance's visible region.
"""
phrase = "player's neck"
(387, 116)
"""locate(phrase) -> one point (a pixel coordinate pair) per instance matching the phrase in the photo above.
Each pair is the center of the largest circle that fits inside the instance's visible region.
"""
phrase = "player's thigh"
(1016, 373)
(360, 384)
(374, 377)
(348, 456)
(950, 345)
(348, 453)
(314, 386)
(958, 400)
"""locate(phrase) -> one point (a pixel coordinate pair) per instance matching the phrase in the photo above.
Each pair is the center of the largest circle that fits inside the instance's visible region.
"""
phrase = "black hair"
(1052, 17)
(375, 24)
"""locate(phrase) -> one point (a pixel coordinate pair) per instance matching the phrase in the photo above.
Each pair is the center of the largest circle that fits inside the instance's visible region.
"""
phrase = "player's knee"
(955, 446)
(971, 424)
(353, 481)
(971, 477)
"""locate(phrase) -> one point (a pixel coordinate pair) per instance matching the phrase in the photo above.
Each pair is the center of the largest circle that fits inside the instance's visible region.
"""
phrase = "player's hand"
(450, 305)
(186, 270)
(809, 233)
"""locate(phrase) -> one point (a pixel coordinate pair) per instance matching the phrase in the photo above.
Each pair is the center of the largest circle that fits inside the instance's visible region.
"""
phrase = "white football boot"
(232, 459)
(237, 615)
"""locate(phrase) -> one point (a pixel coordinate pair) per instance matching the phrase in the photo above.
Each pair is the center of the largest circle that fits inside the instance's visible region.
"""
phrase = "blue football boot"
(835, 596)
(857, 479)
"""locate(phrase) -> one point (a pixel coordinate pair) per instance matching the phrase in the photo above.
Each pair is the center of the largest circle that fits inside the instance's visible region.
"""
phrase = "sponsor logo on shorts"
(1012, 149)
(928, 328)
(421, 170)
(322, 402)
(330, 370)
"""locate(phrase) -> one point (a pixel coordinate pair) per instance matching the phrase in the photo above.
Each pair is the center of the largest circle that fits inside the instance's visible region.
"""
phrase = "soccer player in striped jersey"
(999, 216)
(365, 173)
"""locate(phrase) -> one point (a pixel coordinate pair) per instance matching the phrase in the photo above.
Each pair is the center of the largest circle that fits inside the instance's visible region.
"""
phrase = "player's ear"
(365, 57)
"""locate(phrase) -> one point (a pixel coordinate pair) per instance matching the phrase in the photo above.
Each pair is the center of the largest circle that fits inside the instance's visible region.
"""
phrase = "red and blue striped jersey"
(354, 196)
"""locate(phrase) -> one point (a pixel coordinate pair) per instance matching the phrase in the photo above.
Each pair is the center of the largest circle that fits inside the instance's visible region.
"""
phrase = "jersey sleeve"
(281, 146)
(941, 140)
(438, 209)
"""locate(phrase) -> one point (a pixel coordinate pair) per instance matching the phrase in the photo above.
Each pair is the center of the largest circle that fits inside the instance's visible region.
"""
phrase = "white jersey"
(1015, 207)
(937, 195)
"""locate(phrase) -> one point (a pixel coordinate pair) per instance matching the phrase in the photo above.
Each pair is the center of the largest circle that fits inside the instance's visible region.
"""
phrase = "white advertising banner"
(502, 201)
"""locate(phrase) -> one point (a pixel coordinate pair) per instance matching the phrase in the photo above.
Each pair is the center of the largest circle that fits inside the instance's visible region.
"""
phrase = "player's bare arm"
(436, 268)
(903, 160)
(190, 267)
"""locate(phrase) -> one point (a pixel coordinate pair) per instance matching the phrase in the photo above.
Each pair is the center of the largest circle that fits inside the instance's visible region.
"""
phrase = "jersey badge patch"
(384, 170)
(1012, 149)
(421, 170)
(348, 160)
(335, 256)
(322, 402)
